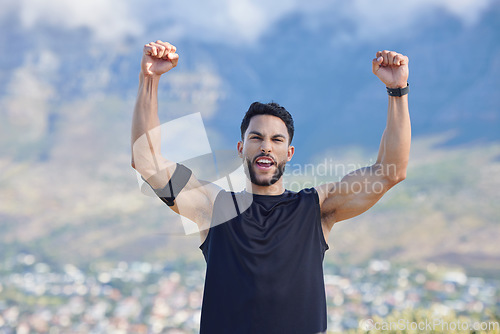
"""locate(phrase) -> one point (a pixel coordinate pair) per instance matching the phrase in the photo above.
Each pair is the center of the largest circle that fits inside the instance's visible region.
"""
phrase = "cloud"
(228, 21)
(387, 17)
(469, 11)
(108, 21)
(25, 108)
(245, 21)
(233, 22)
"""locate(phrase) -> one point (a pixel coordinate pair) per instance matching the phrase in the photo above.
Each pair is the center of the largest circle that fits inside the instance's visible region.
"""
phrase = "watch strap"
(398, 91)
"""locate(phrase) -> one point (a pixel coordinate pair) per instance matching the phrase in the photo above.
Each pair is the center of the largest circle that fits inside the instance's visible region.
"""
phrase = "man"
(264, 255)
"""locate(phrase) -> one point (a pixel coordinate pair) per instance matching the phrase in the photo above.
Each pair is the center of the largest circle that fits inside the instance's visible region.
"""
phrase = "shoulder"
(323, 191)
(311, 193)
(229, 205)
(307, 196)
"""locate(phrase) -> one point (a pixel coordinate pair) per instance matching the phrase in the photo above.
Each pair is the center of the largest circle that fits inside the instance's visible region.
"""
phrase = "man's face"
(265, 149)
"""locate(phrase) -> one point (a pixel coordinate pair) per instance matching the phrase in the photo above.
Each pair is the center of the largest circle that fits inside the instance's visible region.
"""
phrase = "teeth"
(266, 161)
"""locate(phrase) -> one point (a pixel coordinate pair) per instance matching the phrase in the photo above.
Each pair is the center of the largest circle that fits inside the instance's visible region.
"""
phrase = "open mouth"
(264, 162)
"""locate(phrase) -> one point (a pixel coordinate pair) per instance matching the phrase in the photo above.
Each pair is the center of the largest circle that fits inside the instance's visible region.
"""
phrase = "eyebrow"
(279, 135)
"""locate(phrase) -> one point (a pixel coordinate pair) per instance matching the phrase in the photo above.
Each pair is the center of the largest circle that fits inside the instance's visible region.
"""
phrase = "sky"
(227, 21)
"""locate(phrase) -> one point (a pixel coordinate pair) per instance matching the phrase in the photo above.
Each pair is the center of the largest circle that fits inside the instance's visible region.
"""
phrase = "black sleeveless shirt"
(264, 265)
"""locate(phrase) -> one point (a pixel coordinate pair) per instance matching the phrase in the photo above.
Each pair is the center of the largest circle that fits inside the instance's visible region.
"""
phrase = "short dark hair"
(271, 108)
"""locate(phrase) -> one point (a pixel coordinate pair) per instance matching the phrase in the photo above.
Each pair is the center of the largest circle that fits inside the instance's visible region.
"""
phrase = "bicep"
(354, 194)
(196, 201)
(194, 198)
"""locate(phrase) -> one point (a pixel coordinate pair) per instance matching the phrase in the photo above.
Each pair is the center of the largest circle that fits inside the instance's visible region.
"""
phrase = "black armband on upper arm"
(177, 182)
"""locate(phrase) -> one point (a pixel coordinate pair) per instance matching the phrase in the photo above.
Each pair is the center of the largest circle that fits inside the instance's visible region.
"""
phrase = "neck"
(274, 189)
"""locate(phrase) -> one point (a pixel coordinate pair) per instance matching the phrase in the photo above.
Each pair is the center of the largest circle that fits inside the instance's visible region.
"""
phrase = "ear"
(239, 147)
(291, 151)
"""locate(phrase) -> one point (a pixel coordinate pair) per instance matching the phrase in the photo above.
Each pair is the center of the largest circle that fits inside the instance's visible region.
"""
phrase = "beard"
(280, 169)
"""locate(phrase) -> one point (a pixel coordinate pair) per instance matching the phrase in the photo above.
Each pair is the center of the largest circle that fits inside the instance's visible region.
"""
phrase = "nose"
(265, 147)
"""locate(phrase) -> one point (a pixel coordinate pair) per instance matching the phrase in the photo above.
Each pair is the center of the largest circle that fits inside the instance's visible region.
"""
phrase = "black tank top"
(265, 265)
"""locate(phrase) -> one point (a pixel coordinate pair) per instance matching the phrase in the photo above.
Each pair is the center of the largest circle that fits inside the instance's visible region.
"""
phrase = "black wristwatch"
(398, 91)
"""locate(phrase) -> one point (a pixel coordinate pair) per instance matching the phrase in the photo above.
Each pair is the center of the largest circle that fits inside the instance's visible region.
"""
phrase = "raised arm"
(361, 189)
(158, 58)
(196, 199)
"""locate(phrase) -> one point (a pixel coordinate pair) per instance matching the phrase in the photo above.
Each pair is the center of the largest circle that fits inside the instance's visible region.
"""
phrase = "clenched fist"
(391, 68)
(158, 58)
